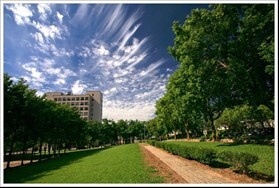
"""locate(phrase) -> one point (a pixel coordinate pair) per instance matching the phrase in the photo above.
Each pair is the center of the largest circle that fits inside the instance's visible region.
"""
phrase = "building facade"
(89, 104)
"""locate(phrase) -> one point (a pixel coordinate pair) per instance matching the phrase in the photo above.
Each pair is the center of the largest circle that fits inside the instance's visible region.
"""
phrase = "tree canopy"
(226, 58)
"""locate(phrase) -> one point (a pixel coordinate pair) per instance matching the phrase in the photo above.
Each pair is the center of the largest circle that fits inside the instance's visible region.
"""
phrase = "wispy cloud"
(93, 47)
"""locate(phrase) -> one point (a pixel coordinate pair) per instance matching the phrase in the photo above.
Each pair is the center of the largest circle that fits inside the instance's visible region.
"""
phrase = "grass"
(265, 164)
(118, 164)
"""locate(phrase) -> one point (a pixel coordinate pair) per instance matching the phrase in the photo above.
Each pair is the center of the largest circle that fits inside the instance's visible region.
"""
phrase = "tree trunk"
(59, 147)
(214, 135)
(10, 152)
(187, 131)
(40, 150)
(34, 143)
(49, 146)
(23, 151)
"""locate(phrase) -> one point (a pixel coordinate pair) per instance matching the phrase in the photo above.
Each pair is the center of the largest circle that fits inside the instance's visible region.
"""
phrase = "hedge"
(238, 160)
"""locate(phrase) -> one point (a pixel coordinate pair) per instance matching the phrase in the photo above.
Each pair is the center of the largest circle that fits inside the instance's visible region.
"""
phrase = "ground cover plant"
(263, 168)
(117, 164)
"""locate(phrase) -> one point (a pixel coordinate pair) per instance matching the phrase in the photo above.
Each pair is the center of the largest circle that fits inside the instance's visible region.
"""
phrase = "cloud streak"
(92, 47)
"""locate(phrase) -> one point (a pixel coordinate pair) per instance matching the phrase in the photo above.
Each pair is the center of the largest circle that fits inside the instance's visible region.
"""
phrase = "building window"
(77, 98)
(59, 99)
(81, 103)
(68, 98)
(73, 98)
(86, 98)
(85, 113)
(72, 103)
(64, 99)
(85, 108)
(82, 98)
(81, 108)
(86, 103)
(77, 103)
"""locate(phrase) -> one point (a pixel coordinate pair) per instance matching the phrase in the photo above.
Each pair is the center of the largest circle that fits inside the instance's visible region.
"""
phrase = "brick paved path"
(191, 173)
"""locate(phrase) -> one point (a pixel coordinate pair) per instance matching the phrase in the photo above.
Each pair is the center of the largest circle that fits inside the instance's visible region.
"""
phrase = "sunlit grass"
(118, 164)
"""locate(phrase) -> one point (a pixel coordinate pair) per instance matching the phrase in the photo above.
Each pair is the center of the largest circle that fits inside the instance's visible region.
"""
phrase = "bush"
(203, 155)
(151, 142)
(239, 160)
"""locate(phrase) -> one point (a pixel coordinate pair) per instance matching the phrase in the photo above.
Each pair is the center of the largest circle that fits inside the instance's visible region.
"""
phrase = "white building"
(89, 104)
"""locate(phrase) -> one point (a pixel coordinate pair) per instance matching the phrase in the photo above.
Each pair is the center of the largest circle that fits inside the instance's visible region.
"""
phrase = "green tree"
(224, 60)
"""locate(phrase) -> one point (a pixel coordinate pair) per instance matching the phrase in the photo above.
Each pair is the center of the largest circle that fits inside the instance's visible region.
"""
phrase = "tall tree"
(225, 67)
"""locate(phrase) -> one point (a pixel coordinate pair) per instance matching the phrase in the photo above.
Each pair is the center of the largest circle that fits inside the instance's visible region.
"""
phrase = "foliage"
(243, 120)
(201, 154)
(226, 56)
(266, 158)
(239, 160)
(33, 122)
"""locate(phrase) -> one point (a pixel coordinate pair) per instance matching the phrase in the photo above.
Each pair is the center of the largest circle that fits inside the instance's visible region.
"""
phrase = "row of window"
(75, 103)
(71, 98)
(85, 114)
(81, 108)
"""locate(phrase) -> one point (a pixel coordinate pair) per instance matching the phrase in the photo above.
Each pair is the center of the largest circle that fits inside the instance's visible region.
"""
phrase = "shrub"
(151, 142)
(201, 154)
(240, 161)
(206, 155)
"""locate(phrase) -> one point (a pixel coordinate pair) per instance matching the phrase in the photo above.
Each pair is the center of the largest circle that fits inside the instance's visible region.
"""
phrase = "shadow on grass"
(251, 174)
(36, 170)
(218, 164)
(257, 176)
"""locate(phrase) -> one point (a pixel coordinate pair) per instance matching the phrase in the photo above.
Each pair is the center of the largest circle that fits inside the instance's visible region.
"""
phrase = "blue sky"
(118, 49)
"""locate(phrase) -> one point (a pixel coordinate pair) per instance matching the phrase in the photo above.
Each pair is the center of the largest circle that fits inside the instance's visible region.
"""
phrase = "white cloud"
(40, 93)
(48, 31)
(60, 17)
(14, 79)
(22, 13)
(38, 37)
(100, 50)
(151, 68)
(140, 111)
(31, 68)
(112, 22)
(55, 71)
(122, 68)
(128, 36)
(59, 81)
(85, 52)
(44, 10)
(62, 52)
(81, 13)
(78, 88)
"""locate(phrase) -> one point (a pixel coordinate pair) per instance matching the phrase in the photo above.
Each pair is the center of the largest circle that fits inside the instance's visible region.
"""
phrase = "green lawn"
(117, 164)
(265, 165)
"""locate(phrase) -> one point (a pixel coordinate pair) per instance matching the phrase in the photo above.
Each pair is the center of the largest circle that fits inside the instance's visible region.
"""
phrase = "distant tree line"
(32, 122)
(225, 77)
